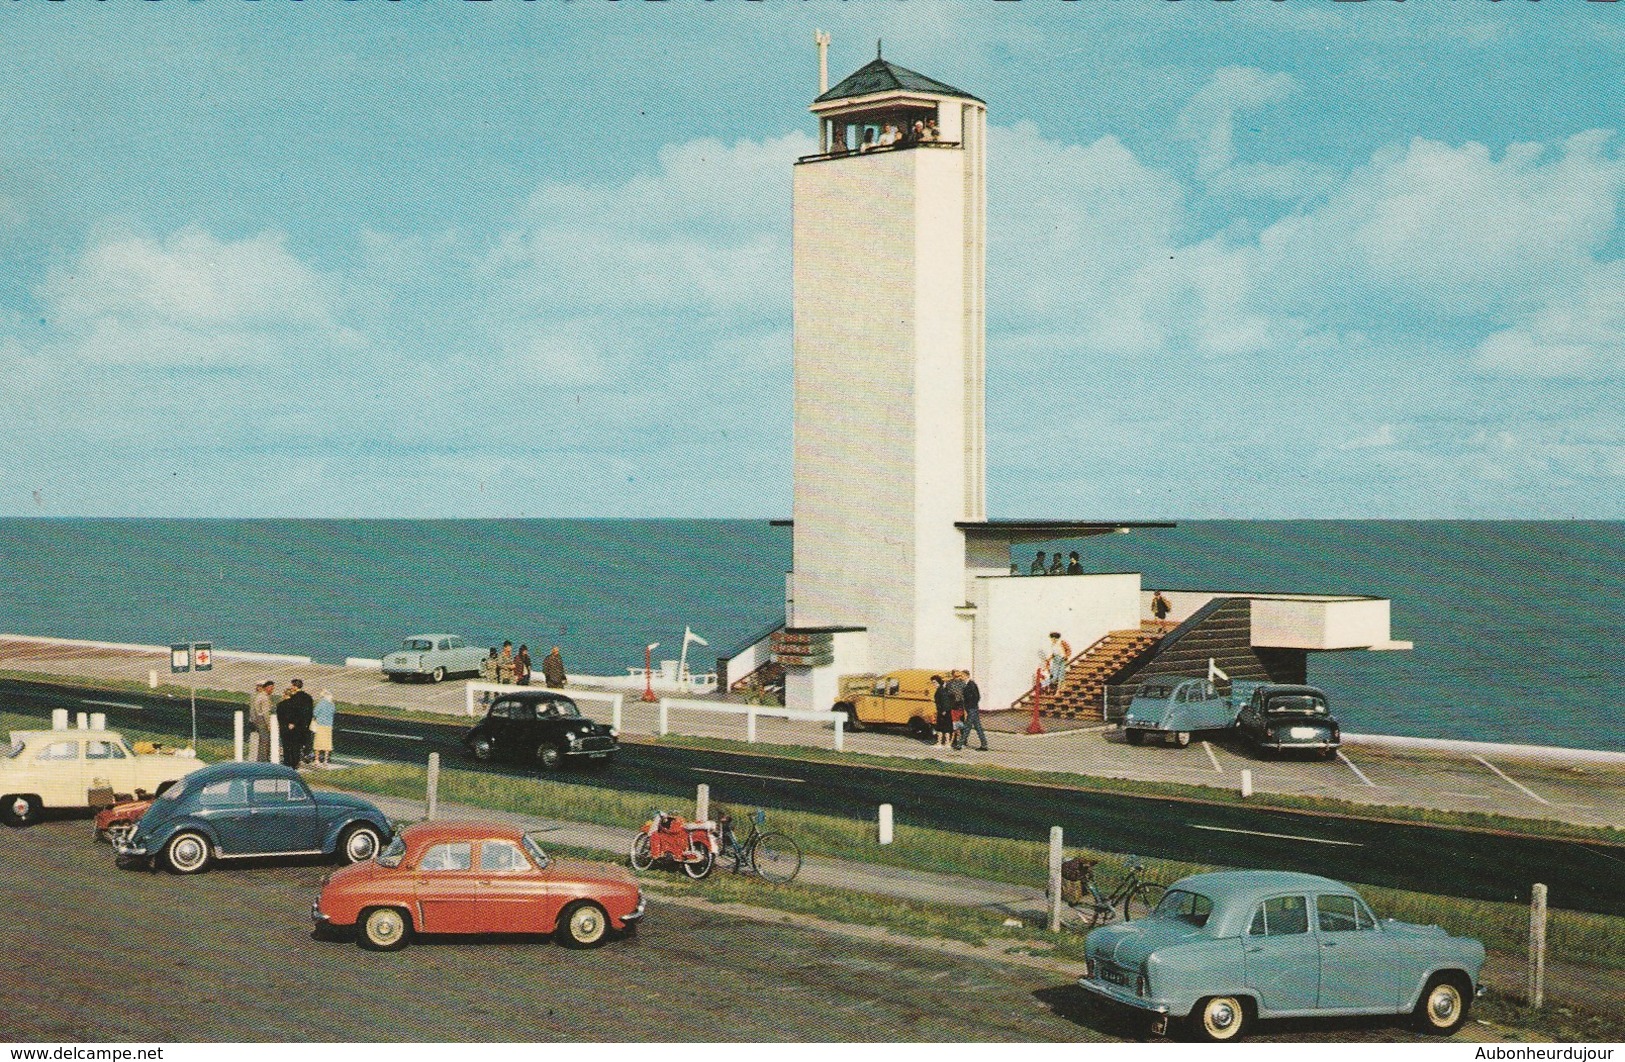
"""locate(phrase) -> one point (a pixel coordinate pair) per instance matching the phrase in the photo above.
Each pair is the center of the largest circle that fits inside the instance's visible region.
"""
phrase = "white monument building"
(895, 564)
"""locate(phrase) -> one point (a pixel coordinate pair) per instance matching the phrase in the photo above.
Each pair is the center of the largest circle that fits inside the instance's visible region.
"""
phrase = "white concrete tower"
(889, 336)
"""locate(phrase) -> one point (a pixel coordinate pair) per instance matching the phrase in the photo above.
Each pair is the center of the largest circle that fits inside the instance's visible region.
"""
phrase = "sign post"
(188, 658)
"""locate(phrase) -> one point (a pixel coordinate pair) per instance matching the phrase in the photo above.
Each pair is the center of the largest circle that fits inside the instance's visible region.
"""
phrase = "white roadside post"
(433, 795)
(702, 802)
(276, 740)
(1246, 782)
(152, 679)
(840, 731)
(885, 824)
(59, 719)
(98, 720)
(1055, 857)
(750, 726)
(237, 734)
(84, 720)
(1537, 946)
(665, 717)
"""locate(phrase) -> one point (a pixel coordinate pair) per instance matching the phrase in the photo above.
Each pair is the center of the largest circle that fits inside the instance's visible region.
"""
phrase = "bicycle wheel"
(776, 857)
(642, 857)
(1141, 901)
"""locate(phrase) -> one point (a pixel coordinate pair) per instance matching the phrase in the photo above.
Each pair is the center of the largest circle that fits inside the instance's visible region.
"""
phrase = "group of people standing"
(302, 724)
(1071, 566)
(506, 665)
(958, 702)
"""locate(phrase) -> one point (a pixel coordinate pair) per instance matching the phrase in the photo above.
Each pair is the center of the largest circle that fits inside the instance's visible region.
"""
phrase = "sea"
(1517, 625)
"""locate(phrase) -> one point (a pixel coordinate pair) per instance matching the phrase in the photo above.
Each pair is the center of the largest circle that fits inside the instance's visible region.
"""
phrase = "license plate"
(1116, 977)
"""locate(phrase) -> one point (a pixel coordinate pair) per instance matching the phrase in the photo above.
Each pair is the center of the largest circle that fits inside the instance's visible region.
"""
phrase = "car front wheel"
(20, 809)
(549, 756)
(359, 844)
(187, 853)
(437, 675)
(1443, 1006)
(583, 925)
(1219, 1018)
(384, 929)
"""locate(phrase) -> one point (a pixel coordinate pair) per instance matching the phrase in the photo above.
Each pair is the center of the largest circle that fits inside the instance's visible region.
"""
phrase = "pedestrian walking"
(521, 666)
(321, 729)
(956, 707)
(294, 714)
(1060, 654)
(1039, 565)
(1160, 607)
(944, 728)
(553, 669)
(971, 696)
(505, 663)
(260, 716)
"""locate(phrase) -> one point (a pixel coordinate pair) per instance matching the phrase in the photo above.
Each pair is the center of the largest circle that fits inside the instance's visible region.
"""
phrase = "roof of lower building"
(880, 75)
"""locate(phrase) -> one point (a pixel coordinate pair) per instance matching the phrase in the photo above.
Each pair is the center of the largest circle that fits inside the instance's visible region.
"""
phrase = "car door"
(1282, 958)
(224, 805)
(59, 772)
(446, 888)
(285, 819)
(512, 893)
(508, 727)
(1357, 959)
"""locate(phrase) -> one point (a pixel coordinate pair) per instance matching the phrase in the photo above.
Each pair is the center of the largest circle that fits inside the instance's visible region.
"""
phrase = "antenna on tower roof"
(821, 39)
(877, 49)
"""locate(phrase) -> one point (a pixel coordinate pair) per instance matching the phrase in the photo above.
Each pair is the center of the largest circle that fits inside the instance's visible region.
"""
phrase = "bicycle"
(1136, 897)
(769, 854)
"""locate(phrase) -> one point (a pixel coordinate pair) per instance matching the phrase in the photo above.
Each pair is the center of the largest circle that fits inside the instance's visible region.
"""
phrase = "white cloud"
(1383, 438)
(1579, 333)
(1440, 230)
(192, 299)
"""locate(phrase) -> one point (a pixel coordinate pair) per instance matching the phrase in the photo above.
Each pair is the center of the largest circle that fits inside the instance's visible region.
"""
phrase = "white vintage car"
(63, 768)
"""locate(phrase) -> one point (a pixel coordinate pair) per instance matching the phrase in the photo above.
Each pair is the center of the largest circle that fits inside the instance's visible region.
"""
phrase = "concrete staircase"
(1087, 674)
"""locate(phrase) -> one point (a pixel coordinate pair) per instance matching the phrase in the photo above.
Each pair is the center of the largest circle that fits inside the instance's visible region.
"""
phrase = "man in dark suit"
(294, 714)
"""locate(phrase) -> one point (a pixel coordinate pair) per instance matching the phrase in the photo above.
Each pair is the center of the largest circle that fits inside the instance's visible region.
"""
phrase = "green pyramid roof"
(882, 76)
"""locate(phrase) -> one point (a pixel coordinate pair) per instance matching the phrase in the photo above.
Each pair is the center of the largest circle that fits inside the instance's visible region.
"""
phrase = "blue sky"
(439, 258)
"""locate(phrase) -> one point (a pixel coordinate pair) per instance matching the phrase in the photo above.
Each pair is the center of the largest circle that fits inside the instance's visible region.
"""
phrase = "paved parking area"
(1587, 795)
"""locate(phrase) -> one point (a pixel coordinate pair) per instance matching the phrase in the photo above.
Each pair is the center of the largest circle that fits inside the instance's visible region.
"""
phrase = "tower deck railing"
(879, 149)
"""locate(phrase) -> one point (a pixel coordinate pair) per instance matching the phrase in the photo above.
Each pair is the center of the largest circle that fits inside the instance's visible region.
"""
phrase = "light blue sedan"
(433, 657)
(1224, 949)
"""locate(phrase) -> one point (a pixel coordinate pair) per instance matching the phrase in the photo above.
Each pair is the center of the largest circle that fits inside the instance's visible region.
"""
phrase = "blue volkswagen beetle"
(1224, 949)
(239, 810)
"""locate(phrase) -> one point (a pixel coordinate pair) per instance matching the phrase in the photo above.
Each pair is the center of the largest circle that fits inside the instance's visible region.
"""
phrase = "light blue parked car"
(1174, 707)
(433, 657)
(1224, 949)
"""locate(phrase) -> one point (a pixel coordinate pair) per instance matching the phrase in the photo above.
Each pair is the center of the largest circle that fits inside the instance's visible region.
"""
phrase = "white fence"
(668, 705)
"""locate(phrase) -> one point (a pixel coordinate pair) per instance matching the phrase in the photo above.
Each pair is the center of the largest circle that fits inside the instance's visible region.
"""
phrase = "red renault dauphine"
(476, 877)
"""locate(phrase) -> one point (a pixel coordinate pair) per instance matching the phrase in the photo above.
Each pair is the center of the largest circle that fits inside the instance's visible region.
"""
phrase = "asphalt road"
(1463, 863)
(98, 953)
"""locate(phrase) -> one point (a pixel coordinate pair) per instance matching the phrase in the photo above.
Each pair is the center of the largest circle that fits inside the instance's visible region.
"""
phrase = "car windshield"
(1186, 906)
(173, 792)
(393, 852)
(534, 847)
(1297, 704)
(1157, 690)
(419, 644)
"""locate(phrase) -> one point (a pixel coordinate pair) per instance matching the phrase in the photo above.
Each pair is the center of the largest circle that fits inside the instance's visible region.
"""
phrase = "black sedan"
(1281, 718)
(542, 727)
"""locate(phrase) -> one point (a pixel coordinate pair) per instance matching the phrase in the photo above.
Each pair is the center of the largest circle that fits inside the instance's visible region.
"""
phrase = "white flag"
(690, 636)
